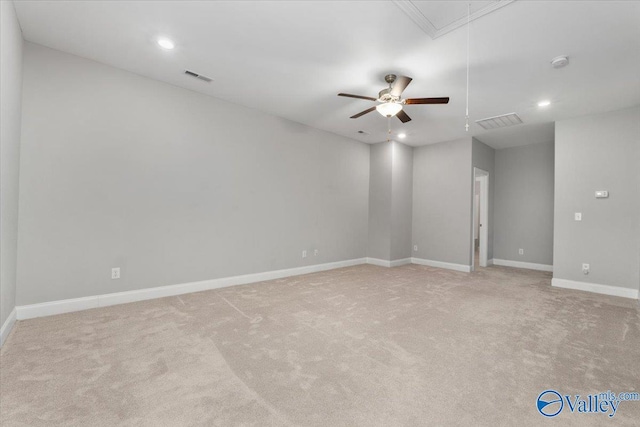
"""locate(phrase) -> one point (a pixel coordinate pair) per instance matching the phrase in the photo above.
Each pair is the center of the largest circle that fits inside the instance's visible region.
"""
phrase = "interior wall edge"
(11, 77)
(8, 326)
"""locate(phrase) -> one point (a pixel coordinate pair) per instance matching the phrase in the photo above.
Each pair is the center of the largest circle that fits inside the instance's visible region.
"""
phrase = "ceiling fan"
(390, 99)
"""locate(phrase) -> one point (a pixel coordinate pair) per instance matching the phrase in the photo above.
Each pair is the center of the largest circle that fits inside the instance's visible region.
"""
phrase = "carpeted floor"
(358, 346)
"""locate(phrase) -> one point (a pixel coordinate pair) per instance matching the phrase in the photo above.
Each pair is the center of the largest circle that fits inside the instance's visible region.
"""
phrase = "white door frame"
(481, 176)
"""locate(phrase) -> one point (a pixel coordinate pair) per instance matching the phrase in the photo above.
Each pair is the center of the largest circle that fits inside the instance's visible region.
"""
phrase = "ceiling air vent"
(500, 121)
(197, 76)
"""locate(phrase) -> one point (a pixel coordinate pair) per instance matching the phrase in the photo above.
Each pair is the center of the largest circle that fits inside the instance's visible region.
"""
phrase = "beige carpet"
(358, 346)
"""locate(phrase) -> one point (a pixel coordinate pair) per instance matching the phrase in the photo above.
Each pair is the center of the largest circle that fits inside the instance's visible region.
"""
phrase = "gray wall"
(380, 186)
(599, 152)
(483, 157)
(10, 117)
(442, 195)
(523, 208)
(402, 201)
(170, 185)
(390, 200)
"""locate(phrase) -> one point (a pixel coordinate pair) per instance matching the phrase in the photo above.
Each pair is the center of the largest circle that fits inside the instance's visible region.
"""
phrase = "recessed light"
(166, 43)
(402, 135)
(544, 103)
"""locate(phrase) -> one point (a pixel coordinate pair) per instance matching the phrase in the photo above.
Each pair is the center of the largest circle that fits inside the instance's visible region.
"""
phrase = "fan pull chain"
(388, 129)
(466, 126)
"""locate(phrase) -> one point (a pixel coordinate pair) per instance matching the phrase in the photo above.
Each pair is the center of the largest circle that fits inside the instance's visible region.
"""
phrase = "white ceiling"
(290, 58)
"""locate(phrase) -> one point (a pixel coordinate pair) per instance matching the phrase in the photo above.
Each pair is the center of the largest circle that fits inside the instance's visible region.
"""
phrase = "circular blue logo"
(550, 403)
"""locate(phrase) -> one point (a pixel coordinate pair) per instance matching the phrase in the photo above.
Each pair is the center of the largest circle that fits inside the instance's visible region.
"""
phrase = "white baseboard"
(615, 291)
(489, 262)
(379, 262)
(521, 264)
(85, 303)
(384, 263)
(399, 262)
(441, 264)
(7, 326)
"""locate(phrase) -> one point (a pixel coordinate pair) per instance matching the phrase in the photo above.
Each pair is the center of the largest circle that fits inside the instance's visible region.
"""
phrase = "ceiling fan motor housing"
(385, 96)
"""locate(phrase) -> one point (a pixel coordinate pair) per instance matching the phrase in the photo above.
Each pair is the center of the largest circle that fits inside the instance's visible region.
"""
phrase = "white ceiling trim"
(412, 11)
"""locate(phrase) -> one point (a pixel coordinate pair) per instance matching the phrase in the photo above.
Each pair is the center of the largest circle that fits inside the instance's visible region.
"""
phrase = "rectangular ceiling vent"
(500, 121)
(197, 76)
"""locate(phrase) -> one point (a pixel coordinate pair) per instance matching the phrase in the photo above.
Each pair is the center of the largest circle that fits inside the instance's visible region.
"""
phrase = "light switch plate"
(578, 216)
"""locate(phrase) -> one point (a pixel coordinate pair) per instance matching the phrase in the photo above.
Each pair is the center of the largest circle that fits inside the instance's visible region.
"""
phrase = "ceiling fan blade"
(400, 85)
(362, 113)
(348, 95)
(427, 101)
(404, 117)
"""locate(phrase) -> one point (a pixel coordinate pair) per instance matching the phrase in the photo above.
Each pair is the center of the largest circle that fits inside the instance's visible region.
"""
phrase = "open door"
(480, 219)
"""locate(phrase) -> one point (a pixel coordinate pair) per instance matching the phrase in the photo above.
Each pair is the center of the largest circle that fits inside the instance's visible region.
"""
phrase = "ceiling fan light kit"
(389, 109)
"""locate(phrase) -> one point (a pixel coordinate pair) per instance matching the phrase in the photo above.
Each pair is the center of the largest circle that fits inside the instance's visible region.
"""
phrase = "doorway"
(480, 234)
